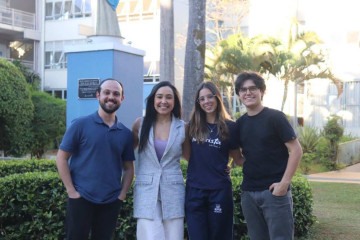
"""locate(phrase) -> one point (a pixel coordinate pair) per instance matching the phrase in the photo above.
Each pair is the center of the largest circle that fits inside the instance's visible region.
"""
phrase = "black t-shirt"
(208, 160)
(262, 140)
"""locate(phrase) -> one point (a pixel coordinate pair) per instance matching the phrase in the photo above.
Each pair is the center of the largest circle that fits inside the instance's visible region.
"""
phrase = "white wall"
(66, 29)
(55, 78)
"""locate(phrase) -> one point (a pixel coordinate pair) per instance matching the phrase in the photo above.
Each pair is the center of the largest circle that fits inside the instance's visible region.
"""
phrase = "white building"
(20, 32)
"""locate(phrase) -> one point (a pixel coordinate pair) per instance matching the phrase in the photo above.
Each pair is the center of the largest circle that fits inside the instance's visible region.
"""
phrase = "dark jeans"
(268, 217)
(84, 217)
(209, 213)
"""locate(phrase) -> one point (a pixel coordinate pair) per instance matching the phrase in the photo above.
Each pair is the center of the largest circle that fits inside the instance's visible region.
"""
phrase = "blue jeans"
(268, 217)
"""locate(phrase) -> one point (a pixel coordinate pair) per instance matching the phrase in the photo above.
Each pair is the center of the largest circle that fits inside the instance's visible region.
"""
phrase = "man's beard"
(109, 110)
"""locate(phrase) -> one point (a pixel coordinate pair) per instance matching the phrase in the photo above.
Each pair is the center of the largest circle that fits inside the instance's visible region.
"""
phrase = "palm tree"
(302, 59)
(308, 62)
(224, 62)
(194, 54)
(298, 61)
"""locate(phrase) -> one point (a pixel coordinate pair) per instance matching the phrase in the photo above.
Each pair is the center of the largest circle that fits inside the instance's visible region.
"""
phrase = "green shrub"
(240, 228)
(16, 110)
(324, 152)
(308, 138)
(184, 165)
(8, 167)
(48, 125)
(303, 205)
(307, 161)
(333, 131)
(32, 205)
(126, 225)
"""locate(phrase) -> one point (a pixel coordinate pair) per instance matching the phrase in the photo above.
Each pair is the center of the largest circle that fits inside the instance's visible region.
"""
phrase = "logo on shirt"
(213, 142)
(217, 209)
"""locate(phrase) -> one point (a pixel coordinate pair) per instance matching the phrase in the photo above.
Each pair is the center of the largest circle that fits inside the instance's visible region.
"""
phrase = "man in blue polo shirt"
(95, 163)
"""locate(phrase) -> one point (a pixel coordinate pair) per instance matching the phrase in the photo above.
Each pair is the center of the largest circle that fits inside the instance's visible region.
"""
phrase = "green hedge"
(32, 206)
(8, 167)
(303, 205)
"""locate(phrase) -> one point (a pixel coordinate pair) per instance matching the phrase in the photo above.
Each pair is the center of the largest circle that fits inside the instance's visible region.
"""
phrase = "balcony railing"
(17, 18)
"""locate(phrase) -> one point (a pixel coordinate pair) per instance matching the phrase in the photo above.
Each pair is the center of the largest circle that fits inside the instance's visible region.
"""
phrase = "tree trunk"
(286, 84)
(194, 55)
(167, 41)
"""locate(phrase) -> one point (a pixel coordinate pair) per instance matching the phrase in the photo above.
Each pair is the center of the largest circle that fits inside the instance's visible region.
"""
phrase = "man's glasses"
(203, 98)
(252, 89)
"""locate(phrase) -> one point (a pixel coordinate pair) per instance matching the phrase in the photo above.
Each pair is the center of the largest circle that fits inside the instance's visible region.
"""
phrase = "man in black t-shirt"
(272, 153)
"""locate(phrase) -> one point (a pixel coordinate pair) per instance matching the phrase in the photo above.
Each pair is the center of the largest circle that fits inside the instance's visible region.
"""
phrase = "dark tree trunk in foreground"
(194, 54)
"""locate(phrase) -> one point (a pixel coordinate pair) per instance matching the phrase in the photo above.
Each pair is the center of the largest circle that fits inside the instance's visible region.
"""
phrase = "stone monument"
(106, 19)
(104, 56)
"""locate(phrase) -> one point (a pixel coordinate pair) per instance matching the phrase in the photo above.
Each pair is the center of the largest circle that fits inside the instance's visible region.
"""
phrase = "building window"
(151, 79)
(58, 94)
(55, 60)
(48, 10)
(67, 9)
(135, 10)
(55, 57)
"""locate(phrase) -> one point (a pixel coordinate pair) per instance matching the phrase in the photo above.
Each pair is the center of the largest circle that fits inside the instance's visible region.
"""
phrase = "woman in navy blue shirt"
(208, 200)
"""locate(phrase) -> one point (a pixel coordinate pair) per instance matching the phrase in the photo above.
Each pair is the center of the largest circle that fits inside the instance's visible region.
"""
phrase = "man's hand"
(74, 195)
(279, 189)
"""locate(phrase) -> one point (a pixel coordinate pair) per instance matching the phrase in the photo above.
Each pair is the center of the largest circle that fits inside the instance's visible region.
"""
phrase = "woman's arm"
(237, 156)
(135, 131)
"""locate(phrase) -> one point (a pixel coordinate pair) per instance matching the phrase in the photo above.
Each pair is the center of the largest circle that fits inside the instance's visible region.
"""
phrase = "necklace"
(211, 129)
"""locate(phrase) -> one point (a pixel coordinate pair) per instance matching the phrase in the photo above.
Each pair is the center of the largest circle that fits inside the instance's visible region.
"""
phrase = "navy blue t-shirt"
(208, 160)
(262, 140)
(97, 155)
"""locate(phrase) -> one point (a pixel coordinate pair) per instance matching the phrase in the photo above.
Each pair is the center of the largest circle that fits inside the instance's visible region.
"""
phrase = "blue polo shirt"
(98, 152)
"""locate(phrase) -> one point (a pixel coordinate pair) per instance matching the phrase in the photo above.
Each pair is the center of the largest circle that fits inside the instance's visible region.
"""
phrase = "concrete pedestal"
(103, 57)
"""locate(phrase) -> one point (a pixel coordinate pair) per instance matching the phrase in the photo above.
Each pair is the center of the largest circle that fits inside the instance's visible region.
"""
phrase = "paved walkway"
(349, 174)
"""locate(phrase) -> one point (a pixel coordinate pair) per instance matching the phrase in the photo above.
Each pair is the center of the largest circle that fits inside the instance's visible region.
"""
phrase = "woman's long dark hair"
(151, 114)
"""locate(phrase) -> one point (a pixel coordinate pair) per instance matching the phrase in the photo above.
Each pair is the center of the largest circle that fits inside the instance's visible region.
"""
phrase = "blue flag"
(113, 3)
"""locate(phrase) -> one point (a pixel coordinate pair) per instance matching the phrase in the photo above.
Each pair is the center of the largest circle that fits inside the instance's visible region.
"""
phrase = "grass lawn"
(337, 209)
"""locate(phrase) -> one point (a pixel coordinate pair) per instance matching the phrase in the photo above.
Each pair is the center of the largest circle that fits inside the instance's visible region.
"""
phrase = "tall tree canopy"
(48, 125)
